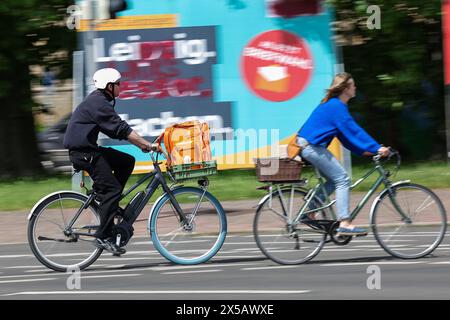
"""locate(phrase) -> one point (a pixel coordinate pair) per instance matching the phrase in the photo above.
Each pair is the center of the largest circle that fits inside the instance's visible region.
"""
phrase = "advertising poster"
(254, 77)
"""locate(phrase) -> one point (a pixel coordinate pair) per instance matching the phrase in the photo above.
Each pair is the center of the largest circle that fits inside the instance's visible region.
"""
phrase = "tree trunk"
(19, 155)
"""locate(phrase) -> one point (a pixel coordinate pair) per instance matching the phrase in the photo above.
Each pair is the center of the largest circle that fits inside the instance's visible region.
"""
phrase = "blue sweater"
(332, 119)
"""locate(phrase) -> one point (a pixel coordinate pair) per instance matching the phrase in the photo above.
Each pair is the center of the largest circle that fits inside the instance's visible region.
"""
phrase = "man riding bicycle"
(108, 167)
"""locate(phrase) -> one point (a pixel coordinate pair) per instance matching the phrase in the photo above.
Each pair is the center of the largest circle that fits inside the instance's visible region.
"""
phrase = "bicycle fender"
(382, 193)
(48, 196)
(263, 199)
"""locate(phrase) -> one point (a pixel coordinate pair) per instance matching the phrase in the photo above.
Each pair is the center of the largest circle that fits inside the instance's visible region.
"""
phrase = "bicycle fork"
(186, 219)
(392, 197)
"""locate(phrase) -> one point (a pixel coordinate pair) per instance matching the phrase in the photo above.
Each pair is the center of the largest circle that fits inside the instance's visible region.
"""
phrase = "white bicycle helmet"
(104, 76)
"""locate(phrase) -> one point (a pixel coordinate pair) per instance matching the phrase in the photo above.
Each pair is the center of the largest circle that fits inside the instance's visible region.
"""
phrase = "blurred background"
(398, 68)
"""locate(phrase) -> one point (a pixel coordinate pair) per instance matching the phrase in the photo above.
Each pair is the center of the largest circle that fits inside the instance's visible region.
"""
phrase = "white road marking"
(16, 256)
(123, 259)
(370, 263)
(244, 291)
(201, 266)
(339, 250)
(272, 267)
(40, 270)
(440, 262)
(27, 280)
(233, 257)
(25, 267)
(368, 246)
(192, 271)
(30, 275)
(111, 276)
(83, 273)
(12, 243)
(149, 242)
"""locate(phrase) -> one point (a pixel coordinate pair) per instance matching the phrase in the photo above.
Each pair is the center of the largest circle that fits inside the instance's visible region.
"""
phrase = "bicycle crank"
(338, 240)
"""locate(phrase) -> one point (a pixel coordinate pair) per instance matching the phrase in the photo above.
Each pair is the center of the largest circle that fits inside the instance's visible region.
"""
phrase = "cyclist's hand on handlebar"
(151, 147)
(384, 151)
(147, 147)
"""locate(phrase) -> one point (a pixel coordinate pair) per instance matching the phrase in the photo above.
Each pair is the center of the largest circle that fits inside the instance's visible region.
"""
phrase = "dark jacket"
(95, 114)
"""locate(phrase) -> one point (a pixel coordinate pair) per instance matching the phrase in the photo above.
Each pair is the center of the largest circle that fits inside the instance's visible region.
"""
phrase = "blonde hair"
(339, 84)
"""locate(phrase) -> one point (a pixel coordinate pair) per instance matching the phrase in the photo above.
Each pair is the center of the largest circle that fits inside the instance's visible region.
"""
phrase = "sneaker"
(351, 232)
(109, 246)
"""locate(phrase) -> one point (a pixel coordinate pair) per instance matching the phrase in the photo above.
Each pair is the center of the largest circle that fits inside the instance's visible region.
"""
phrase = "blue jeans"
(337, 178)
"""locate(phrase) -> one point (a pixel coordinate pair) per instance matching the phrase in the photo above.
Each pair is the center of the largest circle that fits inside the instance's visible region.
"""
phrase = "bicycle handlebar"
(155, 147)
(392, 153)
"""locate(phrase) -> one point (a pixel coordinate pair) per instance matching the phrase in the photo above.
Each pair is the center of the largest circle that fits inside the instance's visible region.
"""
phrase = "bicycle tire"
(50, 245)
(430, 229)
(176, 242)
(265, 227)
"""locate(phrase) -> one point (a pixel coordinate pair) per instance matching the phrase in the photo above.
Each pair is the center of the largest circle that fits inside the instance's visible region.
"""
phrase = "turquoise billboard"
(252, 75)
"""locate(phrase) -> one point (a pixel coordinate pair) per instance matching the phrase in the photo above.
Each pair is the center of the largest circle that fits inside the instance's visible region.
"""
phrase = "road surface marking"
(440, 262)
(192, 271)
(28, 280)
(111, 276)
(209, 265)
(267, 268)
(149, 242)
(239, 257)
(17, 256)
(162, 292)
(25, 267)
(123, 259)
(370, 263)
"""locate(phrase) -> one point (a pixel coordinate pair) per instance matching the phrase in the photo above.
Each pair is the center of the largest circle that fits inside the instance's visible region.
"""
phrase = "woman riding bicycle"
(329, 120)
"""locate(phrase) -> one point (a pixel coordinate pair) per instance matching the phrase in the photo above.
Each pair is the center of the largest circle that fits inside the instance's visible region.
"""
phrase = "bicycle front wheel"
(195, 242)
(409, 221)
(279, 239)
(54, 244)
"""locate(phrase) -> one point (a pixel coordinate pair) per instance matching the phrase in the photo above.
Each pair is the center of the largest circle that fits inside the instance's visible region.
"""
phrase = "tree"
(398, 70)
(32, 32)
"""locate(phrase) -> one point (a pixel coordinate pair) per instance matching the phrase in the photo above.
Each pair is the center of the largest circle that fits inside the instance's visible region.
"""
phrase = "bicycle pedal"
(362, 235)
(310, 241)
(118, 254)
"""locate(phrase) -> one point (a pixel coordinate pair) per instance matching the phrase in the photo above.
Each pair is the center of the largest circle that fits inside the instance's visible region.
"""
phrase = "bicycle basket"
(278, 170)
(193, 170)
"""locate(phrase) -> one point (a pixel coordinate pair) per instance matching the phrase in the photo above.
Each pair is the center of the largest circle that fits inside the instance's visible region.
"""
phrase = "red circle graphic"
(277, 65)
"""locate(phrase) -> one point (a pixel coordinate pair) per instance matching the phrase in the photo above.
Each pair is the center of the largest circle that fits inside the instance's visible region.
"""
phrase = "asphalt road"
(238, 272)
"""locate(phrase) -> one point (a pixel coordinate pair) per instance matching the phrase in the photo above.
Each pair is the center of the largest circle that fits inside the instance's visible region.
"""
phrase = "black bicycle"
(187, 224)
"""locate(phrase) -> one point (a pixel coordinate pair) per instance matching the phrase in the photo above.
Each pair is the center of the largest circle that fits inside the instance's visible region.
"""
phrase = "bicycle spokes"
(197, 236)
(58, 245)
(411, 224)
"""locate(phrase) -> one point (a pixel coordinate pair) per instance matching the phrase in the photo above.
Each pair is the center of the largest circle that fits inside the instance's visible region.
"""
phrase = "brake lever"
(376, 158)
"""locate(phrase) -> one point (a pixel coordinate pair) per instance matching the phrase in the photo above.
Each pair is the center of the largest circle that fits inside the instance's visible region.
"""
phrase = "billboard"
(254, 77)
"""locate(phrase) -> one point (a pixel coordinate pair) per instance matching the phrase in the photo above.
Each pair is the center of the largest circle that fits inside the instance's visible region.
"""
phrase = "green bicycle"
(408, 220)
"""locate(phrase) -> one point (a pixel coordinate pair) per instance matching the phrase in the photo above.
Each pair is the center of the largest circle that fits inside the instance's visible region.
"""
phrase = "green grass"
(226, 185)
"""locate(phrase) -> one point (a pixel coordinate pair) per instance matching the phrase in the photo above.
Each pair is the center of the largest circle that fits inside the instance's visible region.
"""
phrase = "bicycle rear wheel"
(196, 242)
(280, 241)
(54, 244)
(416, 234)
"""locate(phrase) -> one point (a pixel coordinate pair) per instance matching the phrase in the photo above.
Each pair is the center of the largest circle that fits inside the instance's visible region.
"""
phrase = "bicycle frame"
(312, 193)
(157, 179)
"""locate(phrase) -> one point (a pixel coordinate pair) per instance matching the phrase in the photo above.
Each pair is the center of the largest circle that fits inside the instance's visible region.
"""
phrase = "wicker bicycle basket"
(278, 170)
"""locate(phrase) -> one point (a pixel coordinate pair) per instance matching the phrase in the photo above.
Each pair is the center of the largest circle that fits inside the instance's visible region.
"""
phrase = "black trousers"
(110, 170)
